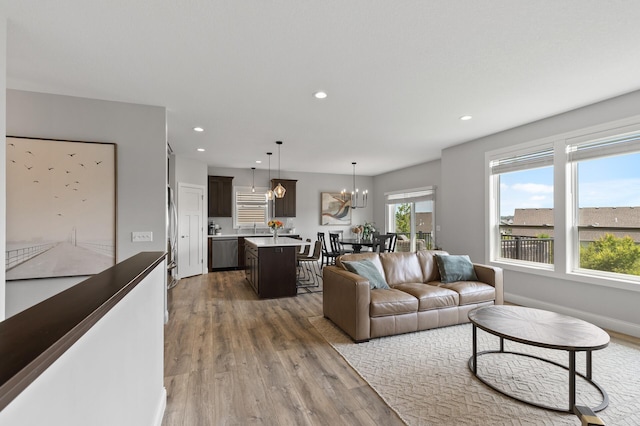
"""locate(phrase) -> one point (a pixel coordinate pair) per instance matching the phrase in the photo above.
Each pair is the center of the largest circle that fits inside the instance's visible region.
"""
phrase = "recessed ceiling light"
(198, 129)
(258, 161)
(320, 95)
(200, 149)
(466, 117)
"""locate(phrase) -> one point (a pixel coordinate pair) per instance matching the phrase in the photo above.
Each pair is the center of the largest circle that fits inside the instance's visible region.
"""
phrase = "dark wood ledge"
(33, 339)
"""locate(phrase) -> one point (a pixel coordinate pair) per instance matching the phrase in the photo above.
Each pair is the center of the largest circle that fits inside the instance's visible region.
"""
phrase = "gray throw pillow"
(455, 268)
(366, 269)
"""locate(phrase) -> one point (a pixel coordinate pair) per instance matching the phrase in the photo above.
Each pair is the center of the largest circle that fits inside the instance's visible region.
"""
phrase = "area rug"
(424, 377)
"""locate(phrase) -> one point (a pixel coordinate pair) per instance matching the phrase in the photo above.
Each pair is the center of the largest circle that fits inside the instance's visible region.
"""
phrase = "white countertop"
(269, 242)
(263, 235)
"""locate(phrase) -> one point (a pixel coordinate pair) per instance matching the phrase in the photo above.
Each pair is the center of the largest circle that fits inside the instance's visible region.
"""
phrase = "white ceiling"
(399, 74)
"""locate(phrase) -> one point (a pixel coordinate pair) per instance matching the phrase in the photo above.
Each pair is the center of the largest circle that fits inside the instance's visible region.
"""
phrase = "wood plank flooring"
(231, 359)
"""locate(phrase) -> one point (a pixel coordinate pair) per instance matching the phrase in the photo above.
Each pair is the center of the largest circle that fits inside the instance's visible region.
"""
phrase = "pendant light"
(279, 190)
(253, 179)
(270, 191)
(356, 201)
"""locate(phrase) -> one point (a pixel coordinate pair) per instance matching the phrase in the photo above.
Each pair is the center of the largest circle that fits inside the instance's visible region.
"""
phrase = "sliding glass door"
(410, 214)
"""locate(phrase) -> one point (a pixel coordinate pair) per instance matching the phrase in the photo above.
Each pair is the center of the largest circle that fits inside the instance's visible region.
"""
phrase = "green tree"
(403, 218)
(612, 254)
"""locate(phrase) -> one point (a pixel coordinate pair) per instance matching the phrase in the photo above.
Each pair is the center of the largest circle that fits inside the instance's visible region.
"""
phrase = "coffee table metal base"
(473, 363)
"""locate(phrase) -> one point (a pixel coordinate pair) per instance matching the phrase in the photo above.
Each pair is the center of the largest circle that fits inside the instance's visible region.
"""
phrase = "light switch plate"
(142, 237)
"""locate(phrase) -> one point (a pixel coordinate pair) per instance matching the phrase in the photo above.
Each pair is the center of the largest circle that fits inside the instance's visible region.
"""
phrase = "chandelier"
(358, 201)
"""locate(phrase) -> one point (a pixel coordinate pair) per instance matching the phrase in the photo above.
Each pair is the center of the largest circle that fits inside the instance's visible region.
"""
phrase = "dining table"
(356, 243)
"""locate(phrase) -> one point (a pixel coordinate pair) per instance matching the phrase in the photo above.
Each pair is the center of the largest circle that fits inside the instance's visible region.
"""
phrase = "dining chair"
(382, 243)
(336, 247)
(328, 256)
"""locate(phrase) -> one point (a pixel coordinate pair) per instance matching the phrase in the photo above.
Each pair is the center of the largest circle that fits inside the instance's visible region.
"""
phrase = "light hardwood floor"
(231, 359)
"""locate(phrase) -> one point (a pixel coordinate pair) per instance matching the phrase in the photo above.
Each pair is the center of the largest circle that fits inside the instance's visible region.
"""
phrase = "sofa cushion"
(472, 291)
(366, 269)
(391, 302)
(401, 268)
(430, 296)
(428, 264)
(455, 268)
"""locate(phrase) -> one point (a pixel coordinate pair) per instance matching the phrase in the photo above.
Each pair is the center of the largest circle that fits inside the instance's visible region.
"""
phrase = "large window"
(569, 204)
(410, 214)
(523, 194)
(606, 220)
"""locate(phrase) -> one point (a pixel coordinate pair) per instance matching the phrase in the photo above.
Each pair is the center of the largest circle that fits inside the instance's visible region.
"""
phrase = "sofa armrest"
(491, 275)
(345, 301)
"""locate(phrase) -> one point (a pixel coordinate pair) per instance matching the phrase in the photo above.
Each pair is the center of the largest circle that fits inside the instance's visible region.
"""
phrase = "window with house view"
(524, 196)
(600, 174)
(606, 175)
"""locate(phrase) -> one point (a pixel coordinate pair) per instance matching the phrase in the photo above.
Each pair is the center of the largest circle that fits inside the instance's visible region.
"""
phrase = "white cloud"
(538, 198)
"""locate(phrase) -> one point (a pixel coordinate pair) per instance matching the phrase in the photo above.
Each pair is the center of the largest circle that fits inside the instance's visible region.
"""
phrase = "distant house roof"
(604, 217)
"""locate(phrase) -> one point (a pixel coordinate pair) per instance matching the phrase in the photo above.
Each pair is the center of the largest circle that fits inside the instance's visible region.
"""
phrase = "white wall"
(140, 134)
(186, 170)
(3, 153)
(418, 176)
(462, 200)
(308, 190)
(113, 375)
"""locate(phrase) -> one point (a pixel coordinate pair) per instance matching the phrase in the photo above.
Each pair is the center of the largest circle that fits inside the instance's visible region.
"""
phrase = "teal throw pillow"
(455, 268)
(366, 269)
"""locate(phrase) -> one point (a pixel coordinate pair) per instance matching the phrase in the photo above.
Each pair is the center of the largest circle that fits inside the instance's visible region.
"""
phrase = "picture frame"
(334, 210)
(61, 208)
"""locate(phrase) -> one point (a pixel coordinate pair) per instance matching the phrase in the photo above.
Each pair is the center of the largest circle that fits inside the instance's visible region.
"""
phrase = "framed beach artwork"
(334, 210)
(61, 208)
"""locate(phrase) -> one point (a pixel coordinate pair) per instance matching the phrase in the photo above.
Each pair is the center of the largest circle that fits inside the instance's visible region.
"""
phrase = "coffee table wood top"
(539, 328)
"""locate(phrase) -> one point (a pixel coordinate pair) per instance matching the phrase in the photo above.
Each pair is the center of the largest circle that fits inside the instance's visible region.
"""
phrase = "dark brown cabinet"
(271, 271)
(220, 191)
(285, 207)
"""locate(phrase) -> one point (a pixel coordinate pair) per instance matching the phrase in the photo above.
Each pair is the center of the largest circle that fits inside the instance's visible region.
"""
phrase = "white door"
(191, 220)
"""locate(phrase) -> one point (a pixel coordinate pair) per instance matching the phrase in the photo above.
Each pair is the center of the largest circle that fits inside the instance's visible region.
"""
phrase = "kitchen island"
(270, 265)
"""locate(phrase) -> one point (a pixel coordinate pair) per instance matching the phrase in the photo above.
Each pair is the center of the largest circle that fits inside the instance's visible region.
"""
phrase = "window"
(606, 221)
(410, 214)
(250, 208)
(569, 205)
(523, 196)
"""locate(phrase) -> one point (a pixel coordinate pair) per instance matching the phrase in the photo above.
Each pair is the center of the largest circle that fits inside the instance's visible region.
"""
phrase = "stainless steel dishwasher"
(224, 252)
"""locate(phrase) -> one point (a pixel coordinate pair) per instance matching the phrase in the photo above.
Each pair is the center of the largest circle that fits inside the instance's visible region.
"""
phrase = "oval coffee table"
(544, 329)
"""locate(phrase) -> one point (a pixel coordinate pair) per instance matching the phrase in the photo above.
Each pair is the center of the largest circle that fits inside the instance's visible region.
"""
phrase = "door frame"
(182, 185)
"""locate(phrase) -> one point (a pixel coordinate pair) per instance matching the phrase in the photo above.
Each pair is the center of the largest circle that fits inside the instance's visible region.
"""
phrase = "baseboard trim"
(609, 323)
(162, 405)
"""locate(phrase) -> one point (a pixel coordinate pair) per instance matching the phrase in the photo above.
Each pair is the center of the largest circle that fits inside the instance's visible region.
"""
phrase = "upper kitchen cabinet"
(285, 207)
(220, 191)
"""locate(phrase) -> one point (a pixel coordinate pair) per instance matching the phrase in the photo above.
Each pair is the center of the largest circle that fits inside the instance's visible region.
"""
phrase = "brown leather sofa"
(416, 300)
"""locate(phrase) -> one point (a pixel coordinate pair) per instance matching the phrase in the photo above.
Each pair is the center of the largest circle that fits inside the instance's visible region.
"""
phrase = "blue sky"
(604, 182)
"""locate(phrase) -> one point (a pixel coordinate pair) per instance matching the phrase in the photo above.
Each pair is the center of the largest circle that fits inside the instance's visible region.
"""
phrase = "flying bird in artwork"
(77, 182)
(67, 171)
(29, 152)
(72, 155)
(12, 144)
(81, 164)
(36, 181)
(50, 168)
(98, 163)
(67, 184)
(75, 189)
(84, 200)
(13, 161)
(59, 214)
(28, 168)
